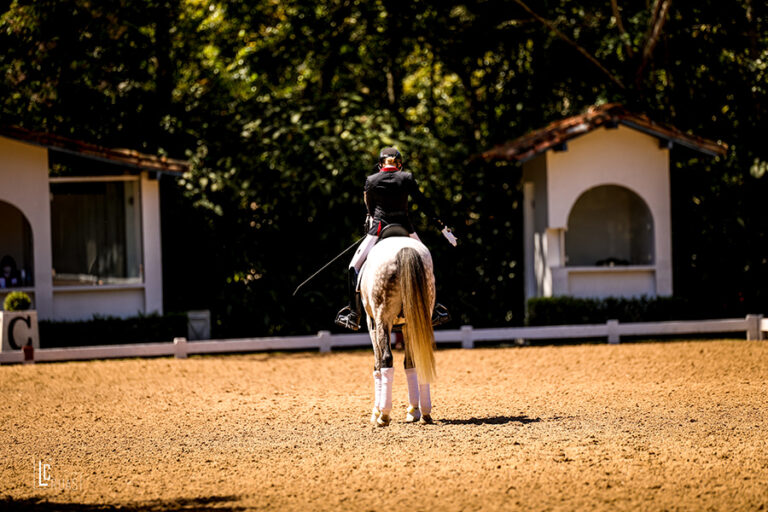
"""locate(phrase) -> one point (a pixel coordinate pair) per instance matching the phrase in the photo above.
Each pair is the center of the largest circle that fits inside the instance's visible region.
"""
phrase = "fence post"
(29, 353)
(180, 348)
(613, 331)
(325, 341)
(467, 341)
(754, 327)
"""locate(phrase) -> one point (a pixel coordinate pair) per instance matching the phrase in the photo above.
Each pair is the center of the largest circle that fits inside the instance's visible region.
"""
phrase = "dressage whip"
(329, 263)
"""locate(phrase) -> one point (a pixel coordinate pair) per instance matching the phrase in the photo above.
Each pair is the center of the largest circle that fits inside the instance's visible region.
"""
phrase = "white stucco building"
(597, 204)
(84, 240)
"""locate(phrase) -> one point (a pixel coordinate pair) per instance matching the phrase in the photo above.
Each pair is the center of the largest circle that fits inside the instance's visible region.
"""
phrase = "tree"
(281, 108)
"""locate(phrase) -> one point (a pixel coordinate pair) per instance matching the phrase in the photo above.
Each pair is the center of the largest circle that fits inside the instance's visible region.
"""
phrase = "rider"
(386, 198)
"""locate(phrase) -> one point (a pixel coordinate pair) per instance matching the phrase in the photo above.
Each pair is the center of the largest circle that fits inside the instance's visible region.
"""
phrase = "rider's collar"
(389, 168)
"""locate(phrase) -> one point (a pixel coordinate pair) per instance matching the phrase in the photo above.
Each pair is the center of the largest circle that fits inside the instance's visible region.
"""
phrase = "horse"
(397, 286)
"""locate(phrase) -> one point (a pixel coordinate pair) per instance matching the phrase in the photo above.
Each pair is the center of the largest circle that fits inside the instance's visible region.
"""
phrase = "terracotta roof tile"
(612, 114)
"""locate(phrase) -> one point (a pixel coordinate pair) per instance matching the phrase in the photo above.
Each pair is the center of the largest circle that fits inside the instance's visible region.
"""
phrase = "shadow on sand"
(211, 503)
(491, 420)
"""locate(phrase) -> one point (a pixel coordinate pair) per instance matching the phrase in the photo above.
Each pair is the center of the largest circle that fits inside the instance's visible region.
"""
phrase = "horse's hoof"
(375, 415)
(427, 418)
(383, 420)
(414, 415)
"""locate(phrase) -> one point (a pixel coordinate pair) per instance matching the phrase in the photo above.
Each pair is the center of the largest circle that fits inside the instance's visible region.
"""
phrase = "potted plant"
(18, 323)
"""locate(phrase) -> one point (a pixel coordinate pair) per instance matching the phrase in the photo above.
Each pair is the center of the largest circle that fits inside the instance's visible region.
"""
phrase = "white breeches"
(362, 252)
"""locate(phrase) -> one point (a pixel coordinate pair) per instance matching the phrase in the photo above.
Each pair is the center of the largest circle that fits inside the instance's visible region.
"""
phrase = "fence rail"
(753, 325)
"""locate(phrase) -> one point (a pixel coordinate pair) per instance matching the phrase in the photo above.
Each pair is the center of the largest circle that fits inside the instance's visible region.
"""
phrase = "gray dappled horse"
(397, 285)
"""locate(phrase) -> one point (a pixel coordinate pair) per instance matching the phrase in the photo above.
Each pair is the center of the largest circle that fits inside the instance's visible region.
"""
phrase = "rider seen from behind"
(386, 196)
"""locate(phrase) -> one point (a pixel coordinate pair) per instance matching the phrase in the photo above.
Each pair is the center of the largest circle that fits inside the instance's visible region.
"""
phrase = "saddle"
(392, 230)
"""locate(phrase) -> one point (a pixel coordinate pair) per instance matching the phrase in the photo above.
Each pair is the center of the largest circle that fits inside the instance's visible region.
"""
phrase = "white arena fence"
(755, 327)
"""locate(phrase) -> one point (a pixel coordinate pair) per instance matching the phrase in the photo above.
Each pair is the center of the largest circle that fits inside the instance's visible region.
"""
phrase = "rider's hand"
(449, 236)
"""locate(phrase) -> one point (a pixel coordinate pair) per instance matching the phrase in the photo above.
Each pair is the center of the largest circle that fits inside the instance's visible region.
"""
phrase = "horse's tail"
(418, 334)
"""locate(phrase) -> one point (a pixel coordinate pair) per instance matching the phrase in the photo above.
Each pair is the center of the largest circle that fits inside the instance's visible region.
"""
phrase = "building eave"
(125, 157)
(609, 116)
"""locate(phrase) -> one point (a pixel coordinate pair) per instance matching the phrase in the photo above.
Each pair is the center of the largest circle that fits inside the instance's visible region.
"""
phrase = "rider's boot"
(349, 316)
(440, 315)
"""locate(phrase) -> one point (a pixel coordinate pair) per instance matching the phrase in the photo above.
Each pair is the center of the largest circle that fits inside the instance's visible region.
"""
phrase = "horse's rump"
(398, 278)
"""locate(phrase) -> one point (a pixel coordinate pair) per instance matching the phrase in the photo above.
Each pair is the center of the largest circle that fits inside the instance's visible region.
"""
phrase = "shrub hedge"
(571, 310)
(112, 330)
(17, 301)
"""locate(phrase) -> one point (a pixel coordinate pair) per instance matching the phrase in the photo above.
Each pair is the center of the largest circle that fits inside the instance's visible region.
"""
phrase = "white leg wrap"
(425, 401)
(385, 396)
(376, 388)
(413, 387)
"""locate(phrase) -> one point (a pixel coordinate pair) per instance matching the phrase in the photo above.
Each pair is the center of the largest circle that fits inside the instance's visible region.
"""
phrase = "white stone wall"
(150, 227)
(620, 156)
(24, 183)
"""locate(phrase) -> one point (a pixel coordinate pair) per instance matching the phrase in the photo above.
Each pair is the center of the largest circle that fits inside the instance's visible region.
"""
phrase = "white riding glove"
(449, 236)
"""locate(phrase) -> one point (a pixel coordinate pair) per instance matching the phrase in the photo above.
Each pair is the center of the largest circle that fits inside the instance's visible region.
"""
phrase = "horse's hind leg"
(376, 373)
(419, 399)
(384, 363)
(414, 414)
(425, 403)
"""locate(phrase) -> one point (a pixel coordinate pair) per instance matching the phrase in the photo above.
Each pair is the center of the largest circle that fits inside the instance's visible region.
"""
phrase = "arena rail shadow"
(202, 504)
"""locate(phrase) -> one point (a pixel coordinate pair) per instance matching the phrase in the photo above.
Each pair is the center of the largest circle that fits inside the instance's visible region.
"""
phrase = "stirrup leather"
(349, 316)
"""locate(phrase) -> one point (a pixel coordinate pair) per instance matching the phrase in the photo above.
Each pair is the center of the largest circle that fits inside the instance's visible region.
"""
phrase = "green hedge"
(17, 301)
(570, 310)
(112, 330)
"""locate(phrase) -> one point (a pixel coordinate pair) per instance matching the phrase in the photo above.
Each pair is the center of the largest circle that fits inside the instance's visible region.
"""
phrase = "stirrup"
(440, 315)
(348, 319)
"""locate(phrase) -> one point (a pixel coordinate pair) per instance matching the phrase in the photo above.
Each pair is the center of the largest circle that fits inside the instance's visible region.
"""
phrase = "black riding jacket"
(387, 193)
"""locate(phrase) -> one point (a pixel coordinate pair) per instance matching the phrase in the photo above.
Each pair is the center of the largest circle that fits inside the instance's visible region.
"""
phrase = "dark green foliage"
(572, 310)
(17, 301)
(112, 330)
(281, 108)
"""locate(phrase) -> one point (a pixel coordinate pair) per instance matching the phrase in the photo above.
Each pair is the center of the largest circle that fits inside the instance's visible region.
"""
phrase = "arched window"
(609, 225)
(16, 256)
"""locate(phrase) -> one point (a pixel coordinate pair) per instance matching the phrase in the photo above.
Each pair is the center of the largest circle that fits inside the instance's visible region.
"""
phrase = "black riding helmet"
(389, 153)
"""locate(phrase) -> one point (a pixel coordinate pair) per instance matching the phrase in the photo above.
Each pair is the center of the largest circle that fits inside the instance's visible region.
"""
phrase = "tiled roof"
(127, 157)
(609, 115)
